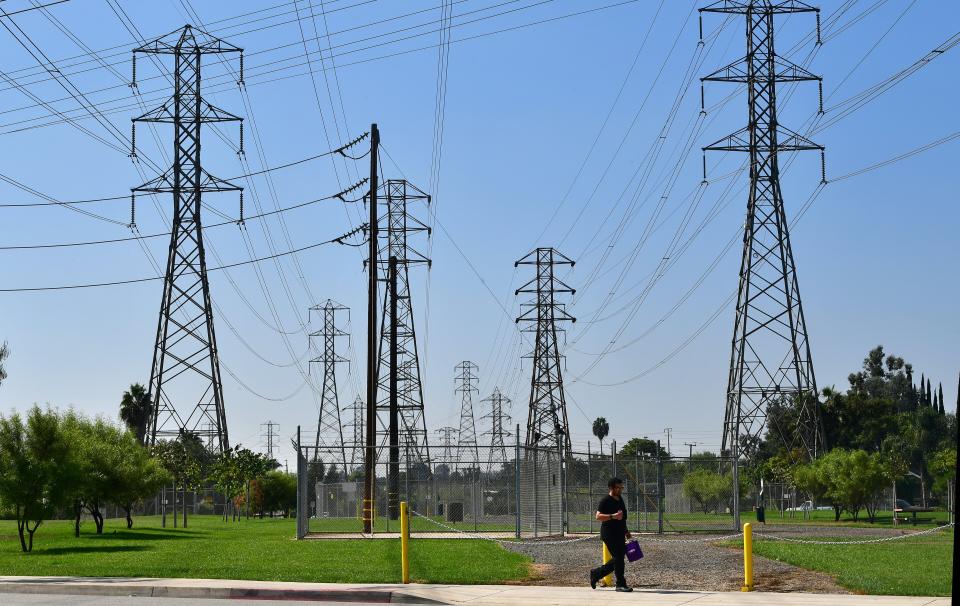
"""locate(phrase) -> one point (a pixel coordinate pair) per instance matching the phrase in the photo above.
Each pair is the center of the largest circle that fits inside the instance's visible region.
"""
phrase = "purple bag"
(633, 551)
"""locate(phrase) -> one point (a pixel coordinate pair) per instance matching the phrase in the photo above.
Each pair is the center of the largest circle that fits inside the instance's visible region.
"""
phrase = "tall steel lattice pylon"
(396, 196)
(498, 419)
(771, 370)
(547, 425)
(466, 379)
(355, 453)
(185, 384)
(329, 428)
(447, 450)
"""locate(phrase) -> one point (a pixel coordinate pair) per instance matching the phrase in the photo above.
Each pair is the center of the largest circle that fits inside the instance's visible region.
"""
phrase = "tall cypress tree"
(929, 394)
(942, 411)
(922, 398)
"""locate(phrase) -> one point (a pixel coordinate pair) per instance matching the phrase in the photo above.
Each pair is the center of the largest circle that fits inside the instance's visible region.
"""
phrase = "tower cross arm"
(187, 39)
(558, 259)
(557, 286)
(740, 7)
(787, 140)
(784, 71)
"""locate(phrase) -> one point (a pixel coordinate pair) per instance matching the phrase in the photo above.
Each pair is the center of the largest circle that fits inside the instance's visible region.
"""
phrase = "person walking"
(612, 515)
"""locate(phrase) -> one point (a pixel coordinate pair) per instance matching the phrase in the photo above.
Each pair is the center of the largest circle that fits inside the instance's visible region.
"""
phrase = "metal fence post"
(301, 490)
(613, 455)
(536, 494)
(736, 487)
(636, 481)
(590, 484)
(564, 523)
(661, 487)
(516, 480)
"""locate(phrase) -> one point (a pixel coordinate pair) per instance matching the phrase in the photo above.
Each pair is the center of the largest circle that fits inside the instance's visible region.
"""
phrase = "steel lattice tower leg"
(185, 384)
(358, 408)
(771, 386)
(329, 428)
(466, 380)
(547, 425)
(396, 196)
(498, 448)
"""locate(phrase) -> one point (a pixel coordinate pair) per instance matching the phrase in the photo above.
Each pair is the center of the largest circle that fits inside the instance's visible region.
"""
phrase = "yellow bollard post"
(404, 542)
(606, 581)
(747, 557)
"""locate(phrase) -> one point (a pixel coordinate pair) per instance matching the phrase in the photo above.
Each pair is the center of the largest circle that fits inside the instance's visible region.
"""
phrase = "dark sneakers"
(624, 588)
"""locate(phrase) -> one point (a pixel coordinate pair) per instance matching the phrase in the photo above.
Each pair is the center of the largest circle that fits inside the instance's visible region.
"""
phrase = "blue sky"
(876, 252)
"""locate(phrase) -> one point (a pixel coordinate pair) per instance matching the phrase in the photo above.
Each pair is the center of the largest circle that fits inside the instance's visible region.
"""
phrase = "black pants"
(618, 550)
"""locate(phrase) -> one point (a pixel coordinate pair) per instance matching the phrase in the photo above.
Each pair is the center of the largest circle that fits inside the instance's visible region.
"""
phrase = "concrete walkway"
(428, 594)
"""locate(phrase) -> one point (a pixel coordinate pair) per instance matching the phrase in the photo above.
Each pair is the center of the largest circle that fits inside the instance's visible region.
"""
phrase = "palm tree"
(135, 410)
(4, 354)
(601, 429)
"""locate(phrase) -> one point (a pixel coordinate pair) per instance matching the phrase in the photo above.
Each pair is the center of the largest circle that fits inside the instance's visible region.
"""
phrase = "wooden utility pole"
(370, 454)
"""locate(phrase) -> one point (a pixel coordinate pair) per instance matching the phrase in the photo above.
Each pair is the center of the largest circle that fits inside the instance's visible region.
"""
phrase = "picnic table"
(914, 511)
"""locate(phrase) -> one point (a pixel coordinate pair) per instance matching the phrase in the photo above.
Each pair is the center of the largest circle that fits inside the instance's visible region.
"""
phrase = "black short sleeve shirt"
(613, 528)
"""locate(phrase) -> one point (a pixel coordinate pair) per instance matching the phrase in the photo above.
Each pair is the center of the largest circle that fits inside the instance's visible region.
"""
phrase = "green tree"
(641, 446)
(37, 469)
(97, 453)
(601, 429)
(135, 411)
(279, 491)
(138, 476)
(185, 460)
(708, 488)
(943, 467)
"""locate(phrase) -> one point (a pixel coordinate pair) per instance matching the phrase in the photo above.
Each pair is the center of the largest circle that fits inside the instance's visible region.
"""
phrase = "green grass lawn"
(254, 549)
(915, 566)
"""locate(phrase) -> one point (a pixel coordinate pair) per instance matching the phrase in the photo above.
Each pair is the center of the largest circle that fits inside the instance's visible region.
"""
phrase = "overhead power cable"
(167, 233)
(337, 240)
(243, 176)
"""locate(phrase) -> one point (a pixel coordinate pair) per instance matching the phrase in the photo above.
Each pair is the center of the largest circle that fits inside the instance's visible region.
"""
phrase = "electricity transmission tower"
(498, 418)
(446, 444)
(547, 425)
(270, 437)
(397, 326)
(466, 379)
(185, 385)
(771, 383)
(329, 428)
(357, 408)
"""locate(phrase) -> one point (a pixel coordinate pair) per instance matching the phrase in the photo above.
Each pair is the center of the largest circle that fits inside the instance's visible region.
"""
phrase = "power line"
(338, 240)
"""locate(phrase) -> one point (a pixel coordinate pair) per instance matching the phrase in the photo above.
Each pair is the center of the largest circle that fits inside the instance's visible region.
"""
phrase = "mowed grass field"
(914, 566)
(248, 549)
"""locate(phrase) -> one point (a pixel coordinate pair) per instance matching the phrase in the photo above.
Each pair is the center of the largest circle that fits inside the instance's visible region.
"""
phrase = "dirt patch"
(700, 566)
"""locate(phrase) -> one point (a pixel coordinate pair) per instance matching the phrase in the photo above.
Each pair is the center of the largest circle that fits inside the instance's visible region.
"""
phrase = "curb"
(372, 596)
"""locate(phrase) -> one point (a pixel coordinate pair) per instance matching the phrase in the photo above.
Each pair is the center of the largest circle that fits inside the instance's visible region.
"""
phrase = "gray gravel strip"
(691, 566)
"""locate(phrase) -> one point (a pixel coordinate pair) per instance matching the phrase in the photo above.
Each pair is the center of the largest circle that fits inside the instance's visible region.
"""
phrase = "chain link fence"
(518, 491)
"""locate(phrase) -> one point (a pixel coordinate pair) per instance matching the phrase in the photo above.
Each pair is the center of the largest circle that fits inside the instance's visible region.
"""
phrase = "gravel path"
(701, 566)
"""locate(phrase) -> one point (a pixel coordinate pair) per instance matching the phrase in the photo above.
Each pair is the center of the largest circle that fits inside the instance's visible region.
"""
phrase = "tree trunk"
(78, 510)
(21, 523)
(836, 513)
(97, 515)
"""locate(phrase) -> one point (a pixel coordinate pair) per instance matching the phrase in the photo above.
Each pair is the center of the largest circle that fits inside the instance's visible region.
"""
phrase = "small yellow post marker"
(404, 542)
(606, 581)
(747, 557)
